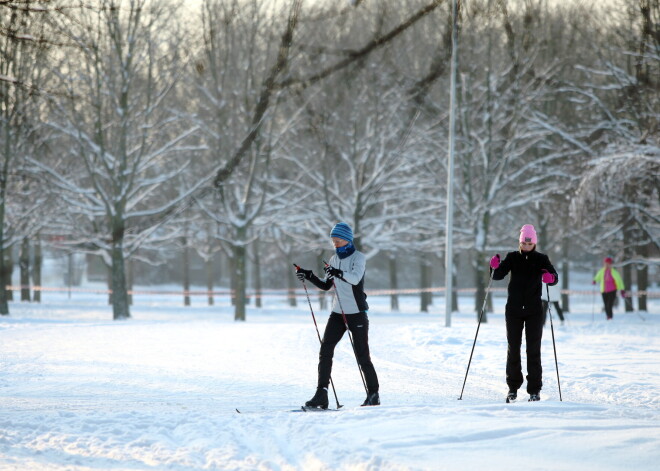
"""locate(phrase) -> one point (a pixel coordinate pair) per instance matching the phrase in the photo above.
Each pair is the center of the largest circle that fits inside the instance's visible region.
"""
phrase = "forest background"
(215, 143)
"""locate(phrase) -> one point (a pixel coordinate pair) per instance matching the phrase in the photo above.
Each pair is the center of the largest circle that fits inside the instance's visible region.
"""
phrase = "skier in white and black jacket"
(346, 270)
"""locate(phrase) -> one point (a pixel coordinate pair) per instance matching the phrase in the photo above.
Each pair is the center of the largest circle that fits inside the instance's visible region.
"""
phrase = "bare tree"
(21, 73)
(276, 80)
(619, 100)
(503, 165)
(121, 135)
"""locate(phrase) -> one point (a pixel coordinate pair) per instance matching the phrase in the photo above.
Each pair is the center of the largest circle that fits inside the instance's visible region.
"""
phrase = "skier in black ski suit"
(524, 309)
(345, 270)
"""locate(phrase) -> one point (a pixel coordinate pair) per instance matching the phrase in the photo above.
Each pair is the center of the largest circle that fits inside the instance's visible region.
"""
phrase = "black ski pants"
(531, 321)
(334, 331)
(608, 301)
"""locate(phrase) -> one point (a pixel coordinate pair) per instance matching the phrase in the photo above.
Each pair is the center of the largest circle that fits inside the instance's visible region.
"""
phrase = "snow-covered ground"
(160, 391)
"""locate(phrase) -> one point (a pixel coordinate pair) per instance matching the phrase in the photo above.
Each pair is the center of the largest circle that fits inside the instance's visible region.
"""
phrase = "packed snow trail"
(160, 391)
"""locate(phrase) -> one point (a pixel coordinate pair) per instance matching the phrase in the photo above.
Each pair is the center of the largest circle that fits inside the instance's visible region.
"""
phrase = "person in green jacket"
(610, 282)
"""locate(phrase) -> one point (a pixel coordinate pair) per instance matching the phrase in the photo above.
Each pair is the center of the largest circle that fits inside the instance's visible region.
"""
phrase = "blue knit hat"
(343, 231)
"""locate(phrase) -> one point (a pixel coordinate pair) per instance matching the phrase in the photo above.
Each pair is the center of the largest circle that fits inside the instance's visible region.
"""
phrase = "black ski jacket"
(525, 286)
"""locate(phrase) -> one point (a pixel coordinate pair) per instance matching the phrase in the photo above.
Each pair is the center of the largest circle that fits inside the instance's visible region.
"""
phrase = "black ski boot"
(320, 399)
(512, 396)
(534, 397)
(373, 399)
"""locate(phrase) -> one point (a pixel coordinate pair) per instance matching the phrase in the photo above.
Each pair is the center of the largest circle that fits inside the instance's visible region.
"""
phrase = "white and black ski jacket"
(350, 287)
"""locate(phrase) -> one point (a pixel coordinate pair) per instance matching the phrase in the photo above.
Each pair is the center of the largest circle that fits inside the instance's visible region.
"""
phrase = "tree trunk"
(129, 282)
(291, 281)
(9, 272)
(627, 280)
(481, 276)
(208, 265)
(483, 299)
(109, 281)
(423, 307)
(232, 278)
(4, 295)
(425, 282)
(257, 276)
(24, 266)
(5, 253)
(394, 284)
(565, 274)
(454, 297)
(643, 278)
(429, 282)
(240, 257)
(69, 272)
(628, 237)
(479, 283)
(120, 308)
(186, 271)
(36, 271)
(642, 286)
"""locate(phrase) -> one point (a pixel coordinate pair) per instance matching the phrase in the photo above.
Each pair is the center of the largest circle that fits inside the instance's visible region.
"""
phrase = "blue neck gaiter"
(345, 251)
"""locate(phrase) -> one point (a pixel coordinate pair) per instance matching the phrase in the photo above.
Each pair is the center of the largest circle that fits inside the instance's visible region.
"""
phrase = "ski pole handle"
(303, 274)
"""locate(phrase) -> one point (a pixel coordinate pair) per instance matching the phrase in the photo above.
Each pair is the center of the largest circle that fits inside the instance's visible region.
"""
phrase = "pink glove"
(547, 277)
(495, 261)
(623, 293)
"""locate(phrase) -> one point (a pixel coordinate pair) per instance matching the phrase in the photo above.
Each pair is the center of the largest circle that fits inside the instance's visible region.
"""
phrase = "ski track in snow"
(81, 392)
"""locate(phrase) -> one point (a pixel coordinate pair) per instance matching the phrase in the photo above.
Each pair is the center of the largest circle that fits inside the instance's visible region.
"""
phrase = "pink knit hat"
(528, 234)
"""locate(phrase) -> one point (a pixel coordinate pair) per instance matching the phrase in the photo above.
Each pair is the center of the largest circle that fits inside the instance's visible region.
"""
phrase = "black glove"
(332, 272)
(303, 274)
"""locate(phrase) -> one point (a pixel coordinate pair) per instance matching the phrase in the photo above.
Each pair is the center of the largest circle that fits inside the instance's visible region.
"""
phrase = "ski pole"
(343, 315)
(318, 334)
(554, 347)
(477, 333)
